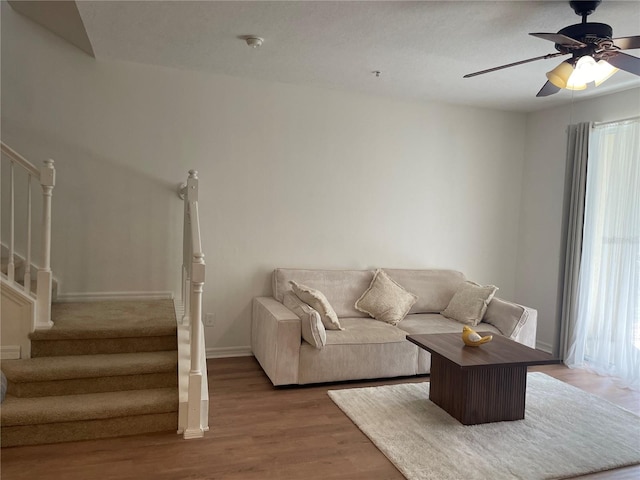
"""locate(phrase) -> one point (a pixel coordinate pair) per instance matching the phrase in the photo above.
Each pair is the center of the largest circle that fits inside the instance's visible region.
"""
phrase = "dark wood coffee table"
(479, 384)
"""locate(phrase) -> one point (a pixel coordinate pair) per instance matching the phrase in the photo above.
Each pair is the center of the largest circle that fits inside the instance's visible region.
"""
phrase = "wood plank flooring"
(257, 432)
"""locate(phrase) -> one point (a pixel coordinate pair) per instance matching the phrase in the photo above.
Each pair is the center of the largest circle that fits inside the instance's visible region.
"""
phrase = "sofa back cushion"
(434, 288)
(341, 287)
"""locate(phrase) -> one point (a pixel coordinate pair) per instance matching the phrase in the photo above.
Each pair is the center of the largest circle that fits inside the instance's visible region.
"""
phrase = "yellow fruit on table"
(472, 339)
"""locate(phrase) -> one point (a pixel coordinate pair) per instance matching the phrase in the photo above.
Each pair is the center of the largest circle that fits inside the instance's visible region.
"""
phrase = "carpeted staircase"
(105, 369)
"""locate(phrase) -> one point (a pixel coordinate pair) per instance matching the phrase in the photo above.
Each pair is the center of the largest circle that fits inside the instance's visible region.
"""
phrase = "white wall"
(290, 176)
(540, 250)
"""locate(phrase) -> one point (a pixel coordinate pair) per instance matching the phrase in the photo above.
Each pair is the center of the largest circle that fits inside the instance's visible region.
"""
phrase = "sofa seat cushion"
(336, 363)
(422, 323)
(364, 331)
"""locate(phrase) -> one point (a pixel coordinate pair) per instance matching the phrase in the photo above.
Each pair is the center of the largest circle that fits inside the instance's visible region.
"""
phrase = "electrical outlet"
(209, 319)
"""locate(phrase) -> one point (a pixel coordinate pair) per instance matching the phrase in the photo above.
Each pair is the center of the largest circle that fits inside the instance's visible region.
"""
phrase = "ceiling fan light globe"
(561, 74)
(576, 86)
(585, 71)
(604, 71)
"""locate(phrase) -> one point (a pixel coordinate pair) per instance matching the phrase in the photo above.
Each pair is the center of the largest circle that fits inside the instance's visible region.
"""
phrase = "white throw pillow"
(316, 300)
(313, 331)
(385, 299)
(469, 303)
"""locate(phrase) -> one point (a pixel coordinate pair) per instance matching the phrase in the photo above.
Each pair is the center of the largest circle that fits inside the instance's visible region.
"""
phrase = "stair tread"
(69, 408)
(89, 366)
(110, 319)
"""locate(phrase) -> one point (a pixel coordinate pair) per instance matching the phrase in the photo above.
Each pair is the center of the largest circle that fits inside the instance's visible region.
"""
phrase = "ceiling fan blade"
(547, 89)
(625, 62)
(560, 39)
(627, 43)
(543, 57)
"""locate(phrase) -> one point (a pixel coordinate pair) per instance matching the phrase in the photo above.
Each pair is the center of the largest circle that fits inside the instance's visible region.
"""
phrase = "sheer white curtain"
(607, 332)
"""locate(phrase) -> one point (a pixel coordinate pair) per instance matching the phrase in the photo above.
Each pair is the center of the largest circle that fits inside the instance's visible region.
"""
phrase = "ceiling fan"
(595, 55)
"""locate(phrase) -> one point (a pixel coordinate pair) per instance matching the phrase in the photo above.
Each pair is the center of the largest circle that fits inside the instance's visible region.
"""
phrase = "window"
(608, 317)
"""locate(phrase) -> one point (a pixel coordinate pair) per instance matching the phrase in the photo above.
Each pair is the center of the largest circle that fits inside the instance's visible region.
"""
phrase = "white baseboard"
(98, 296)
(545, 347)
(226, 352)
(10, 352)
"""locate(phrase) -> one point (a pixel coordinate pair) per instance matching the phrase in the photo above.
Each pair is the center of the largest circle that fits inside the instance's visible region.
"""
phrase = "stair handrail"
(46, 176)
(193, 277)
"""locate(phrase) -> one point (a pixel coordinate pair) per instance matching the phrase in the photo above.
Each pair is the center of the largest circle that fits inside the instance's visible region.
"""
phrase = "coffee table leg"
(478, 395)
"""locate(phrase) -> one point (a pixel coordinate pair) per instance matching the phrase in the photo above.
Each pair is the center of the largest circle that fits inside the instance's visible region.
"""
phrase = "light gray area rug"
(566, 432)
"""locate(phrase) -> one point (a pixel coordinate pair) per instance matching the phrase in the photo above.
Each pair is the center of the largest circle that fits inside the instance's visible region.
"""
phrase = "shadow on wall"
(115, 229)
(230, 296)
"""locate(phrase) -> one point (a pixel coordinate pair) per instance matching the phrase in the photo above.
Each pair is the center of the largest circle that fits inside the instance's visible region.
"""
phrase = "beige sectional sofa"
(366, 347)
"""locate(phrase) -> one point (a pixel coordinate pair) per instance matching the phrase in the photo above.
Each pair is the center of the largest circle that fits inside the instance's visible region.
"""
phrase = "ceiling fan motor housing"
(588, 33)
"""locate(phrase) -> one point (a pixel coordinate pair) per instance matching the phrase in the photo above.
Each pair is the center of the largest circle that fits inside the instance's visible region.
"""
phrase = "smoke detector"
(254, 42)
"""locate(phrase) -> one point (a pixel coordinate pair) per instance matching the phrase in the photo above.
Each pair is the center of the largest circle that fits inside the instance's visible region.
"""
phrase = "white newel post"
(43, 305)
(189, 193)
(197, 269)
(194, 427)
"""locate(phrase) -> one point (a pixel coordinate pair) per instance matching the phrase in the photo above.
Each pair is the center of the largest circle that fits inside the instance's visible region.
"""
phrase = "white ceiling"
(421, 48)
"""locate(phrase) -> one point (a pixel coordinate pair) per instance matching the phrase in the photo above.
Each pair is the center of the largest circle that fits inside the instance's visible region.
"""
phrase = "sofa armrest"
(275, 340)
(515, 321)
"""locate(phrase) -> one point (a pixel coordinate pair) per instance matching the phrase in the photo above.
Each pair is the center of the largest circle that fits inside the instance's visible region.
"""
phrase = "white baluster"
(11, 266)
(27, 268)
(186, 263)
